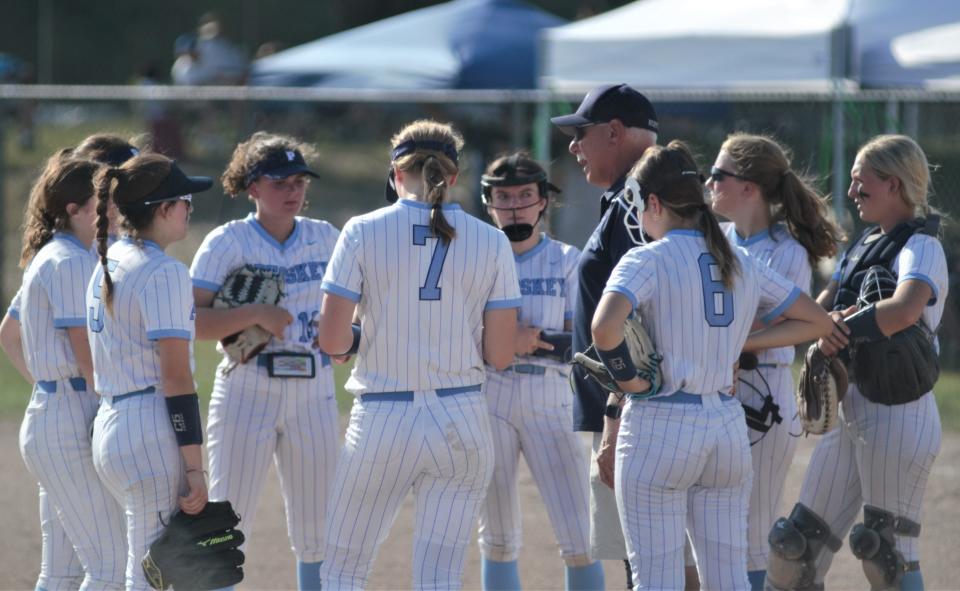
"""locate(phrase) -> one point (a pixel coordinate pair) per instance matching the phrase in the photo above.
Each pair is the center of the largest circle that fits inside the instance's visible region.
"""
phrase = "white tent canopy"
(756, 44)
(698, 44)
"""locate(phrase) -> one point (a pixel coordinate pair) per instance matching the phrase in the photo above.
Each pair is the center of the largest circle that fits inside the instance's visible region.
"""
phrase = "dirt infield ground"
(271, 565)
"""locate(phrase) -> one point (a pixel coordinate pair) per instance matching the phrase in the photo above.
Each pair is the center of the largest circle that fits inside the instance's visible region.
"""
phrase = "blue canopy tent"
(459, 44)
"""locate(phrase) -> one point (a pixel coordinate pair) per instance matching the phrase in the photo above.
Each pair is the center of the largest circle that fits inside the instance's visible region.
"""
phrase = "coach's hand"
(273, 318)
(606, 455)
(528, 340)
(837, 340)
(196, 498)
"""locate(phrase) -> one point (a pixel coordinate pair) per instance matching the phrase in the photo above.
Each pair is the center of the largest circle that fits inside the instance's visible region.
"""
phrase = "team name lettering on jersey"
(545, 286)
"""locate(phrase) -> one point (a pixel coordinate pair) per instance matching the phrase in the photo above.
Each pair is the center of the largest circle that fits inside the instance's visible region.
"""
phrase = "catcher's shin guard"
(795, 543)
(874, 544)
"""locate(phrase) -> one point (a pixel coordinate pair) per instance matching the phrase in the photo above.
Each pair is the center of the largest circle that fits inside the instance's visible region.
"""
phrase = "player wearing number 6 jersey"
(436, 292)
(682, 454)
(280, 405)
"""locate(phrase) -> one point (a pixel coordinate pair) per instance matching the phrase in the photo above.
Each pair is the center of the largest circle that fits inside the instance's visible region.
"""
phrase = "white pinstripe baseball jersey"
(152, 299)
(422, 301)
(548, 288)
(777, 249)
(922, 258)
(301, 259)
(51, 300)
(698, 325)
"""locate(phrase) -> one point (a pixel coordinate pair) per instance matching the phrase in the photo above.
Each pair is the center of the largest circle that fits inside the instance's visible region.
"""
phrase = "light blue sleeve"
(166, 303)
(66, 289)
(344, 274)
(216, 258)
(505, 292)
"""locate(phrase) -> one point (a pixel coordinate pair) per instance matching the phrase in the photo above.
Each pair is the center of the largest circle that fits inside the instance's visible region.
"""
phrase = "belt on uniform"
(407, 395)
(771, 365)
(288, 364)
(533, 370)
(50, 386)
(681, 397)
(147, 390)
(527, 368)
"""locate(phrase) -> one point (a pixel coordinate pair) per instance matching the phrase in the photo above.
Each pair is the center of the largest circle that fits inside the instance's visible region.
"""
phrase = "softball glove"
(248, 285)
(642, 352)
(197, 551)
(820, 389)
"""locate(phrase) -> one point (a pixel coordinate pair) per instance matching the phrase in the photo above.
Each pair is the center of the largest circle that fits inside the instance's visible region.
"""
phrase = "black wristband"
(355, 346)
(618, 362)
(184, 411)
(562, 345)
(863, 325)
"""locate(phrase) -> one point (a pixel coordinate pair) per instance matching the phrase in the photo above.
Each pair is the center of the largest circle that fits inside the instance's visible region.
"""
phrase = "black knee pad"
(795, 543)
(874, 544)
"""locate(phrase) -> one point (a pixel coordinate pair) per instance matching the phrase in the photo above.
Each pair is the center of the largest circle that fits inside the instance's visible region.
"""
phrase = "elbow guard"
(863, 325)
(562, 345)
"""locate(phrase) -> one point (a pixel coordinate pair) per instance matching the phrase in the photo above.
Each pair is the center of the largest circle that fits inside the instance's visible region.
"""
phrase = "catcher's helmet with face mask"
(878, 284)
(513, 172)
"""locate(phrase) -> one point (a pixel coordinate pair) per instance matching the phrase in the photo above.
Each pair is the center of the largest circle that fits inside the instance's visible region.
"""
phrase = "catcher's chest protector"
(875, 248)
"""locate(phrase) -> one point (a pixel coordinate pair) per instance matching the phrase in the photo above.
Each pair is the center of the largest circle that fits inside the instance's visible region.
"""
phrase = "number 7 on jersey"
(431, 288)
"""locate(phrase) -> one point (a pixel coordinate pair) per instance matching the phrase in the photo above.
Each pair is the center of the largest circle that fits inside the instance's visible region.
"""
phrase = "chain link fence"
(352, 129)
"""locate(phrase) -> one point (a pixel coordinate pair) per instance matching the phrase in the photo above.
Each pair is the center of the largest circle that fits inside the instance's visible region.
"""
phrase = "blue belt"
(527, 368)
(50, 386)
(147, 390)
(407, 395)
(681, 397)
(263, 360)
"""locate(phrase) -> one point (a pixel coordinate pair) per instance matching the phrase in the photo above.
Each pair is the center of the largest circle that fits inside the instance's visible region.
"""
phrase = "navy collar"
(611, 193)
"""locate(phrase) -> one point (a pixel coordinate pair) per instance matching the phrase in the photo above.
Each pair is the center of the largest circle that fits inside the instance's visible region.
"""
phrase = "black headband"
(411, 146)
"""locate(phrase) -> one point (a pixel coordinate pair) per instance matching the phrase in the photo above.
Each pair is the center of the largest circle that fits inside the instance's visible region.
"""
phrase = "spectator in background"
(186, 68)
(221, 61)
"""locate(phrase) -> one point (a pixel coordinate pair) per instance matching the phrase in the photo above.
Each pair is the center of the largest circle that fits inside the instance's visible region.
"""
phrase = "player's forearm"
(785, 334)
(81, 352)
(10, 341)
(825, 299)
(214, 324)
(192, 457)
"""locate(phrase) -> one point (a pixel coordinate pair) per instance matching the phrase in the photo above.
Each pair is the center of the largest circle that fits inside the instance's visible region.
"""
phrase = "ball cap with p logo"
(608, 102)
(280, 164)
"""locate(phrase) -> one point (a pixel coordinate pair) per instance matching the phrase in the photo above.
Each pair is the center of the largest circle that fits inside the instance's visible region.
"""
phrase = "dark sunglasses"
(580, 132)
(717, 175)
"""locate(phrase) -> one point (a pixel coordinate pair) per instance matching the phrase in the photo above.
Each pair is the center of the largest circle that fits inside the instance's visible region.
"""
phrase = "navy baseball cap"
(177, 184)
(279, 165)
(607, 102)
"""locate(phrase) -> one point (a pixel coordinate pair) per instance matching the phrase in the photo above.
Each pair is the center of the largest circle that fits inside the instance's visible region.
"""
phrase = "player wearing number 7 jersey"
(437, 295)
(280, 405)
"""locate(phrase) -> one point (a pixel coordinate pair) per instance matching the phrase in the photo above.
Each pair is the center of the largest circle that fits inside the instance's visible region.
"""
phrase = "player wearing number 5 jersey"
(280, 405)
(682, 453)
(436, 293)
(147, 435)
